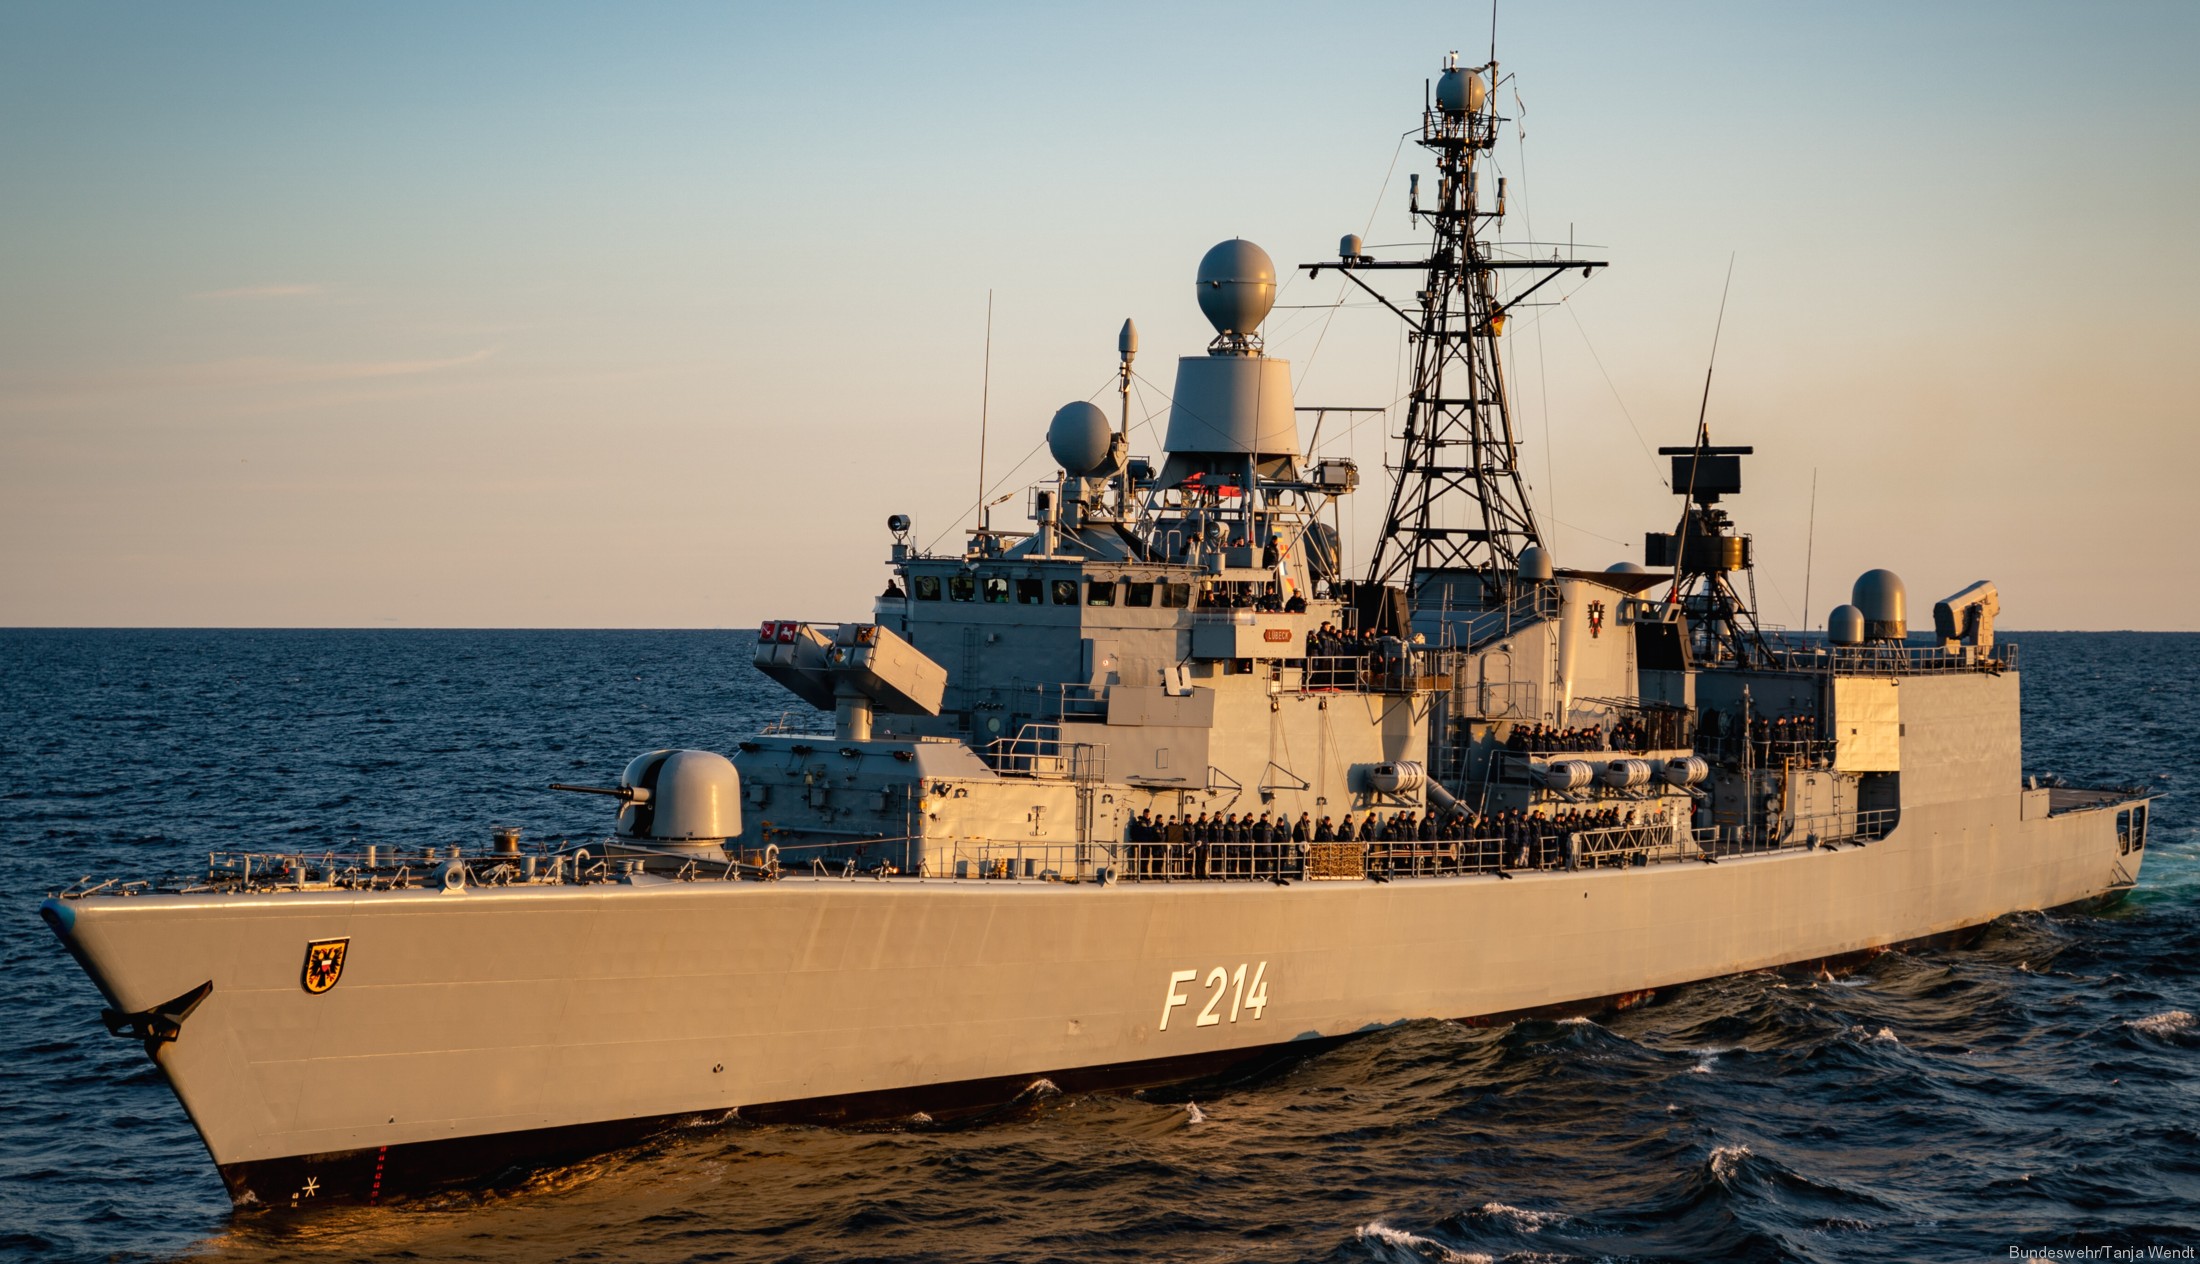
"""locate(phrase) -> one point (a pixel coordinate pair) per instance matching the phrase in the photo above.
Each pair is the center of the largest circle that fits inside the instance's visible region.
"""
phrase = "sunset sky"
(553, 316)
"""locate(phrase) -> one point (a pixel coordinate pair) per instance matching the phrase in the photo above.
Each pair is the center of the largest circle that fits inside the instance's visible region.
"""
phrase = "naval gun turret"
(676, 801)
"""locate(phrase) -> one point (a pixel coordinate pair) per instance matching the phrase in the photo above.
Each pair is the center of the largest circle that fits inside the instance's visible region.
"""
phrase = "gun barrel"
(616, 792)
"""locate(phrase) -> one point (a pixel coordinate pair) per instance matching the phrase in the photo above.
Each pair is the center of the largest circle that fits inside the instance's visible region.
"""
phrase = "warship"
(1146, 790)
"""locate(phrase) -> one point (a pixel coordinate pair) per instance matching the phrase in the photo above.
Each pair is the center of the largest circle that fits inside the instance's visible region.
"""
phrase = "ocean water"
(2039, 1090)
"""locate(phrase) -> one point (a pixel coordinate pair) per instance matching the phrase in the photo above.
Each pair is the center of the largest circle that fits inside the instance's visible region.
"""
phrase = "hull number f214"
(1246, 996)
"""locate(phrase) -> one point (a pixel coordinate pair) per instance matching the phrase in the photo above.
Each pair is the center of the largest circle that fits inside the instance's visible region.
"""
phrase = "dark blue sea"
(2039, 1090)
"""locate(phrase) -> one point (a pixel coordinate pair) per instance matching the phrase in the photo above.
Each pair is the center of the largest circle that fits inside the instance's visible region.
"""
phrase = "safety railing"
(376, 868)
(1526, 846)
(1061, 701)
(1889, 660)
(1394, 668)
(1767, 751)
(1037, 750)
(1031, 860)
(1796, 833)
(1631, 845)
(795, 724)
(1310, 861)
(1531, 604)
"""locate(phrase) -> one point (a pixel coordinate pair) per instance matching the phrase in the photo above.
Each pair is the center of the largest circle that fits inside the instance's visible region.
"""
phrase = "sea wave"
(1377, 1234)
(1521, 1218)
(1803, 1128)
(1726, 1161)
(2166, 1023)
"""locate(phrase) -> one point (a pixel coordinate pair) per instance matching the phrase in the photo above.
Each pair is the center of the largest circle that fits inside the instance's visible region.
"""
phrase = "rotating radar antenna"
(1458, 507)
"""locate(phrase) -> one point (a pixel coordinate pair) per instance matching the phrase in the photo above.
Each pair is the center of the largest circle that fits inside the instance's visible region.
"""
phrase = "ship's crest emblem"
(324, 964)
(1596, 619)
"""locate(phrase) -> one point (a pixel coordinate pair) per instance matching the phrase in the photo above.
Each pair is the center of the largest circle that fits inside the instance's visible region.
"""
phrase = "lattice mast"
(1458, 447)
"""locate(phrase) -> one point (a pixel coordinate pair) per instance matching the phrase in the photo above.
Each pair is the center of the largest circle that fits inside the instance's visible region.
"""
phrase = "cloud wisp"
(244, 373)
(280, 290)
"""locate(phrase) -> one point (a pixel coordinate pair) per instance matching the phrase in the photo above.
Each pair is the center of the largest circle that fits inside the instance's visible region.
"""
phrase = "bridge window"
(962, 587)
(1029, 592)
(1137, 592)
(996, 589)
(1065, 592)
(1176, 596)
(1101, 592)
(927, 586)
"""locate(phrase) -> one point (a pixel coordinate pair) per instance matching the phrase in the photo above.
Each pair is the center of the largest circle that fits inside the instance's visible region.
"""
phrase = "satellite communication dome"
(1080, 438)
(1880, 595)
(1459, 91)
(1237, 286)
(1535, 562)
(1625, 568)
(1845, 626)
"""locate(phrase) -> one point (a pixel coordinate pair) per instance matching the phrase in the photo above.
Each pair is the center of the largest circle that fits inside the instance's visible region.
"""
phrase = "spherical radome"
(1079, 437)
(1885, 603)
(1237, 286)
(1535, 562)
(1845, 626)
(1459, 91)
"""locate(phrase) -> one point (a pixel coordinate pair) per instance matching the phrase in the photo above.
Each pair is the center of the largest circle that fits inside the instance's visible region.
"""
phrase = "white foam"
(1726, 1159)
(1377, 1232)
(1192, 1109)
(1575, 1021)
(1521, 1218)
(1706, 1058)
(2166, 1023)
(1884, 1037)
(1041, 1087)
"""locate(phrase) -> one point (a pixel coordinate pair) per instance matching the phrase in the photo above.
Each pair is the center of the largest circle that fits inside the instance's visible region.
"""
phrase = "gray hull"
(476, 1029)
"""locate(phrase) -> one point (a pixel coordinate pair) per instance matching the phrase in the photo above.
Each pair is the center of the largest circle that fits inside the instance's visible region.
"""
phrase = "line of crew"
(1627, 733)
(1231, 827)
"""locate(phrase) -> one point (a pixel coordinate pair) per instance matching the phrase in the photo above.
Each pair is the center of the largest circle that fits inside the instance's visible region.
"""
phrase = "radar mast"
(1458, 447)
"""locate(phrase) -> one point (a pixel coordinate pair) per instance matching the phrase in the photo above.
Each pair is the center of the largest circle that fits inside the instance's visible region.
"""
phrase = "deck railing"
(1888, 660)
(618, 860)
(1037, 750)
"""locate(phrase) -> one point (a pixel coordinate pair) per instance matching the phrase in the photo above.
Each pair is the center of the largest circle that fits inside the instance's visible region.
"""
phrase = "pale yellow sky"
(576, 318)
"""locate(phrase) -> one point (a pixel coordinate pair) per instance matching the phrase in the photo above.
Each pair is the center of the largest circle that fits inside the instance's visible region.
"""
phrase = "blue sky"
(551, 315)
